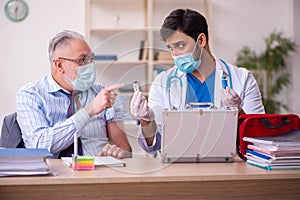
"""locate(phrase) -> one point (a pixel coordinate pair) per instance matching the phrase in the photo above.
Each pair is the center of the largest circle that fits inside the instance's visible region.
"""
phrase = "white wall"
(24, 45)
(295, 89)
(234, 23)
(242, 22)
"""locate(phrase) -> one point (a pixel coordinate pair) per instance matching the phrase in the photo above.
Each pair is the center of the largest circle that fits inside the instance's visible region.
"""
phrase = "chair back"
(11, 135)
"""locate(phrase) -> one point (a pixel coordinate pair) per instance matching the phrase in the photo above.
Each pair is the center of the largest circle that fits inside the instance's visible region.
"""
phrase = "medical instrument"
(229, 73)
(136, 86)
(169, 89)
(224, 83)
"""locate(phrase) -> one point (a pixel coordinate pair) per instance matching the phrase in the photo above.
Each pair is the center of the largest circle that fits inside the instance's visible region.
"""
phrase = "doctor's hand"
(231, 98)
(139, 107)
(114, 151)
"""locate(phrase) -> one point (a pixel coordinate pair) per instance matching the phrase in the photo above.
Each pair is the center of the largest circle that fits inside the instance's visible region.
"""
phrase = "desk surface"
(148, 176)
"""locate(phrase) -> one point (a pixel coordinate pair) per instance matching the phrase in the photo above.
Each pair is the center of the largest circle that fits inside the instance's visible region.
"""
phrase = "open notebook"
(99, 161)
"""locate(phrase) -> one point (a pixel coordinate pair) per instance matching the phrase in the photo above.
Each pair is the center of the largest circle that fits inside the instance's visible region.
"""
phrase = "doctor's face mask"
(186, 62)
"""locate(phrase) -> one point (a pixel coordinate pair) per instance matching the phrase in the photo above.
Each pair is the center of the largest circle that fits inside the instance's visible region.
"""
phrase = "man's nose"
(175, 53)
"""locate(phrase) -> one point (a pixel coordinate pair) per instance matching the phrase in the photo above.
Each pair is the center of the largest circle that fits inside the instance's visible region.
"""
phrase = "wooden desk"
(147, 178)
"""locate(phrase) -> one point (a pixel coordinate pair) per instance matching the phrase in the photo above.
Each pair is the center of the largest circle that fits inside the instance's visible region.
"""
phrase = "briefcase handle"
(199, 105)
(269, 126)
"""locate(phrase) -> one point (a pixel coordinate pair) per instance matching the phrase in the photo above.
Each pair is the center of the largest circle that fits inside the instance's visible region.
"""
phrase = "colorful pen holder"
(83, 162)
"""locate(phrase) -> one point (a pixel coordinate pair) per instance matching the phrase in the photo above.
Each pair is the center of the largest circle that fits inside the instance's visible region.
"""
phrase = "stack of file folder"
(23, 162)
(274, 152)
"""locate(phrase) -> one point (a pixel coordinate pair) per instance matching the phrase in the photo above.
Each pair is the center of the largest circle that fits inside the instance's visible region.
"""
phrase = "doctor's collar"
(221, 66)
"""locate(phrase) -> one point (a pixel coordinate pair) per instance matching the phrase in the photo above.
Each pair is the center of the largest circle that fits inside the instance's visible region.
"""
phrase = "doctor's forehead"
(178, 37)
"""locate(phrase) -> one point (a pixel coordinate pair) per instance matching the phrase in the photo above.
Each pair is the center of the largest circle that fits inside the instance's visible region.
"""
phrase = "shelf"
(166, 62)
(119, 27)
(116, 14)
(116, 30)
(129, 94)
(119, 62)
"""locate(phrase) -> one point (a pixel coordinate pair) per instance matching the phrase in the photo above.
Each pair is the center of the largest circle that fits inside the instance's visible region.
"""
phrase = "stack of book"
(106, 57)
(143, 53)
(274, 152)
(21, 162)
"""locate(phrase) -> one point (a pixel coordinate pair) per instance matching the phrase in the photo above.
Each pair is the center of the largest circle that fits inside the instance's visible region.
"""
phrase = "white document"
(284, 141)
(99, 161)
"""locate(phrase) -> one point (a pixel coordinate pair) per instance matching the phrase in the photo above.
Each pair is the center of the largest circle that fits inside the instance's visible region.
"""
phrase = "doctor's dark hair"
(62, 39)
(188, 21)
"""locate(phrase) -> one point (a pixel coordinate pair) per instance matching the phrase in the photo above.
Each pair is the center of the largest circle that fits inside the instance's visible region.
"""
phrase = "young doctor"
(198, 76)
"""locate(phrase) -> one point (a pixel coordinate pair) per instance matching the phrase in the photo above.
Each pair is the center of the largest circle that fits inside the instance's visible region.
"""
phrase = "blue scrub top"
(200, 92)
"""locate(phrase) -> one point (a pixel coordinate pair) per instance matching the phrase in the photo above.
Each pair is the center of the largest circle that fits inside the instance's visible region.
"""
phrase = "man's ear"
(58, 65)
(202, 40)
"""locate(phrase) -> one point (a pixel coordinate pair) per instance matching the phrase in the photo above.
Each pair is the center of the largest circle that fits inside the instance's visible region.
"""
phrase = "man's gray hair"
(62, 39)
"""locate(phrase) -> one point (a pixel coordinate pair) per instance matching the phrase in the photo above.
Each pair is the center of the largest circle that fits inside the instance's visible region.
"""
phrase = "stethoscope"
(169, 80)
(169, 88)
(224, 78)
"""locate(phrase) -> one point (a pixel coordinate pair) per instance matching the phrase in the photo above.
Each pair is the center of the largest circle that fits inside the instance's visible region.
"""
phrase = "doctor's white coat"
(243, 83)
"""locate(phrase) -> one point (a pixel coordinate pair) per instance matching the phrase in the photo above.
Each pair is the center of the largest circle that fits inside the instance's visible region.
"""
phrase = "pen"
(75, 144)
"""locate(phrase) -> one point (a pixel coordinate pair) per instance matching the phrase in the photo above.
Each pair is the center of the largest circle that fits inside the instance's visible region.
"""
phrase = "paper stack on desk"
(99, 161)
(21, 161)
(274, 152)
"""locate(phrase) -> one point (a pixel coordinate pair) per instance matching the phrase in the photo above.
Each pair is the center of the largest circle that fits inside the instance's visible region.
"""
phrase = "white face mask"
(85, 78)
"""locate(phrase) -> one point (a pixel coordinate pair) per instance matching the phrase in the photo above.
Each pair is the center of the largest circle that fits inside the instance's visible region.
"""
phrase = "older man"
(52, 109)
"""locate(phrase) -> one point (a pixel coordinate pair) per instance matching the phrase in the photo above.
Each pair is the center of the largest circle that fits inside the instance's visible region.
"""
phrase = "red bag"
(255, 125)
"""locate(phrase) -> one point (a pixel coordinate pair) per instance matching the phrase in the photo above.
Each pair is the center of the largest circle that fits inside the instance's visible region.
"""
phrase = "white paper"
(99, 161)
